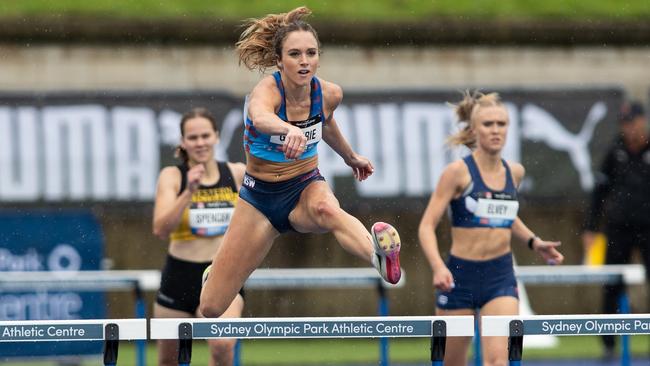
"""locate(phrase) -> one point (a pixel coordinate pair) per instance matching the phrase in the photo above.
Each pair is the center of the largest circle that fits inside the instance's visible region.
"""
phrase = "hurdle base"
(111, 344)
(184, 344)
(438, 342)
(516, 341)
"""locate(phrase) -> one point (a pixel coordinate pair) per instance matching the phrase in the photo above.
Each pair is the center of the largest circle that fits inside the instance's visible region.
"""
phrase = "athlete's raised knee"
(326, 210)
(210, 306)
(209, 311)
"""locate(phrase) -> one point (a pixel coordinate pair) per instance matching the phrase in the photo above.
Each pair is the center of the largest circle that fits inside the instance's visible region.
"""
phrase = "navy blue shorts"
(478, 282)
(277, 200)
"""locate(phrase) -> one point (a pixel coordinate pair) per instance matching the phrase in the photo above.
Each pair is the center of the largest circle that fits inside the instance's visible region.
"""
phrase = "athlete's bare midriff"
(270, 171)
(480, 243)
(201, 249)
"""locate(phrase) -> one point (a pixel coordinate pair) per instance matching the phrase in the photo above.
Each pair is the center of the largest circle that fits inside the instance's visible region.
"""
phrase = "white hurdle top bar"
(278, 278)
(631, 274)
(333, 327)
(149, 280)
(80, 280)
(565, 325)
(334, 277)
(70, 330)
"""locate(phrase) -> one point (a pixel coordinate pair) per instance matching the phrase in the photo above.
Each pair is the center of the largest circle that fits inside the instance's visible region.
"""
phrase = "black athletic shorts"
(180, 285)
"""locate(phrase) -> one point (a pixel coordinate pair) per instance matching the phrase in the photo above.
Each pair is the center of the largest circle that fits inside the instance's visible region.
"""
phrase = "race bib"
(490, 208)
(210, 221)
(311, 128)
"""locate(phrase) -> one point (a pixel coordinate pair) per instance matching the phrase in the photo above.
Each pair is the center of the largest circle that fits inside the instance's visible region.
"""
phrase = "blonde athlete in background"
(194, 203)
(481, 192)
(287, 115)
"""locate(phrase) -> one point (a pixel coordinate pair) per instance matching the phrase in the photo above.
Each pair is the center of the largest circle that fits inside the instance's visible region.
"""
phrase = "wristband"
(531, 240)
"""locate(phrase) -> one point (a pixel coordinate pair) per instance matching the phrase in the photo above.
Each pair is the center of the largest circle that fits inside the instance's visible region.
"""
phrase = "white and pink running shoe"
(387, 245)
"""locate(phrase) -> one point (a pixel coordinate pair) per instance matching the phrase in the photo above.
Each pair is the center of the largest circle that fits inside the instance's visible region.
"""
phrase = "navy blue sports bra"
(480, 206)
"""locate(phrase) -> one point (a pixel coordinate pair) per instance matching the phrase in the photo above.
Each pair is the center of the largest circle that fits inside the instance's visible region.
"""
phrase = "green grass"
(359, 10)
(359, 351)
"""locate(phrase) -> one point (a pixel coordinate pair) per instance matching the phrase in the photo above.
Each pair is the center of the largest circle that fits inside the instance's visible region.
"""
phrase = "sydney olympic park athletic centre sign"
(110, 146)
(567, 325)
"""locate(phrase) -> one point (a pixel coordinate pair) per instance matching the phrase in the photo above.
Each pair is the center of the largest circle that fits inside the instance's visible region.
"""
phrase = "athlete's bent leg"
(318, 210)
(249, 238)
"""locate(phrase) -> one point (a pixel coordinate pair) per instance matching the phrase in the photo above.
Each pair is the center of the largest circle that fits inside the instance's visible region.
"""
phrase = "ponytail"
(466, 110)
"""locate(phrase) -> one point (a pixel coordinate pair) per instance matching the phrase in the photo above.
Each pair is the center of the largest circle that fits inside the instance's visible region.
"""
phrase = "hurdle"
(149, 280)
(89, 281)
(325, 278)
(516, 327)
(630, 274)
(627, 274)
(111, 331)
(187, 329)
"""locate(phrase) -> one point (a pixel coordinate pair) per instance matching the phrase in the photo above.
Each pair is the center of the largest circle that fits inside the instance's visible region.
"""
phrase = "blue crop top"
(480, 206)
(269, 147)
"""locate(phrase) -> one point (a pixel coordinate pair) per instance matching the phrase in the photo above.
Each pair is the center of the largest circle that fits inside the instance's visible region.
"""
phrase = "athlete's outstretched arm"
(446, 189)
(546, 249)
(361, 166)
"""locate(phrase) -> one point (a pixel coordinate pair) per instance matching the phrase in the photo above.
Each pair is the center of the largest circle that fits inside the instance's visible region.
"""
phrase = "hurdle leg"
(111, 343)
(516, 342)
(624, 306)
(438, 342)
(140, 345)
(383, 311)
(478, 359)
(237, 354)
(184, 344)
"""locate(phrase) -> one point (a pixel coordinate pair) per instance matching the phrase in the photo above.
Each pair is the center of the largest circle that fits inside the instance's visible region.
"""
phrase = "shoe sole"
(387, 245)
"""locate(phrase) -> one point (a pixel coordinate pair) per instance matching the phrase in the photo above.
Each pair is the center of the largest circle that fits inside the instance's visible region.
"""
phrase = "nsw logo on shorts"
(249, 181)
(443, 300)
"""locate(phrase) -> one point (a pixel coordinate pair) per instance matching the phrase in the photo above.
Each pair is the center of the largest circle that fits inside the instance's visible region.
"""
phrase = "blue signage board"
(50, 240)
(48, 332)
(583, 326)
(313, 329)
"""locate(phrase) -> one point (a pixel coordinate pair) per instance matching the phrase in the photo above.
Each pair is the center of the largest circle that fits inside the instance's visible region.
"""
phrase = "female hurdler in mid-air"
(287, 114)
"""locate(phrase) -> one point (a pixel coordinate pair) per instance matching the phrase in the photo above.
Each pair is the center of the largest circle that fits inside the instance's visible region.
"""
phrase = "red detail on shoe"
(393, 270)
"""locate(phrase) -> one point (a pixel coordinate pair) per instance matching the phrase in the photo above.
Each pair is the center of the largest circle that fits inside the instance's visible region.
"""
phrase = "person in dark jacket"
(620, 202)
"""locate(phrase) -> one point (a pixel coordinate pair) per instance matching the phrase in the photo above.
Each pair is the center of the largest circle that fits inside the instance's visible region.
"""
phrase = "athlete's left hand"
(361, 167)
(547, 250)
